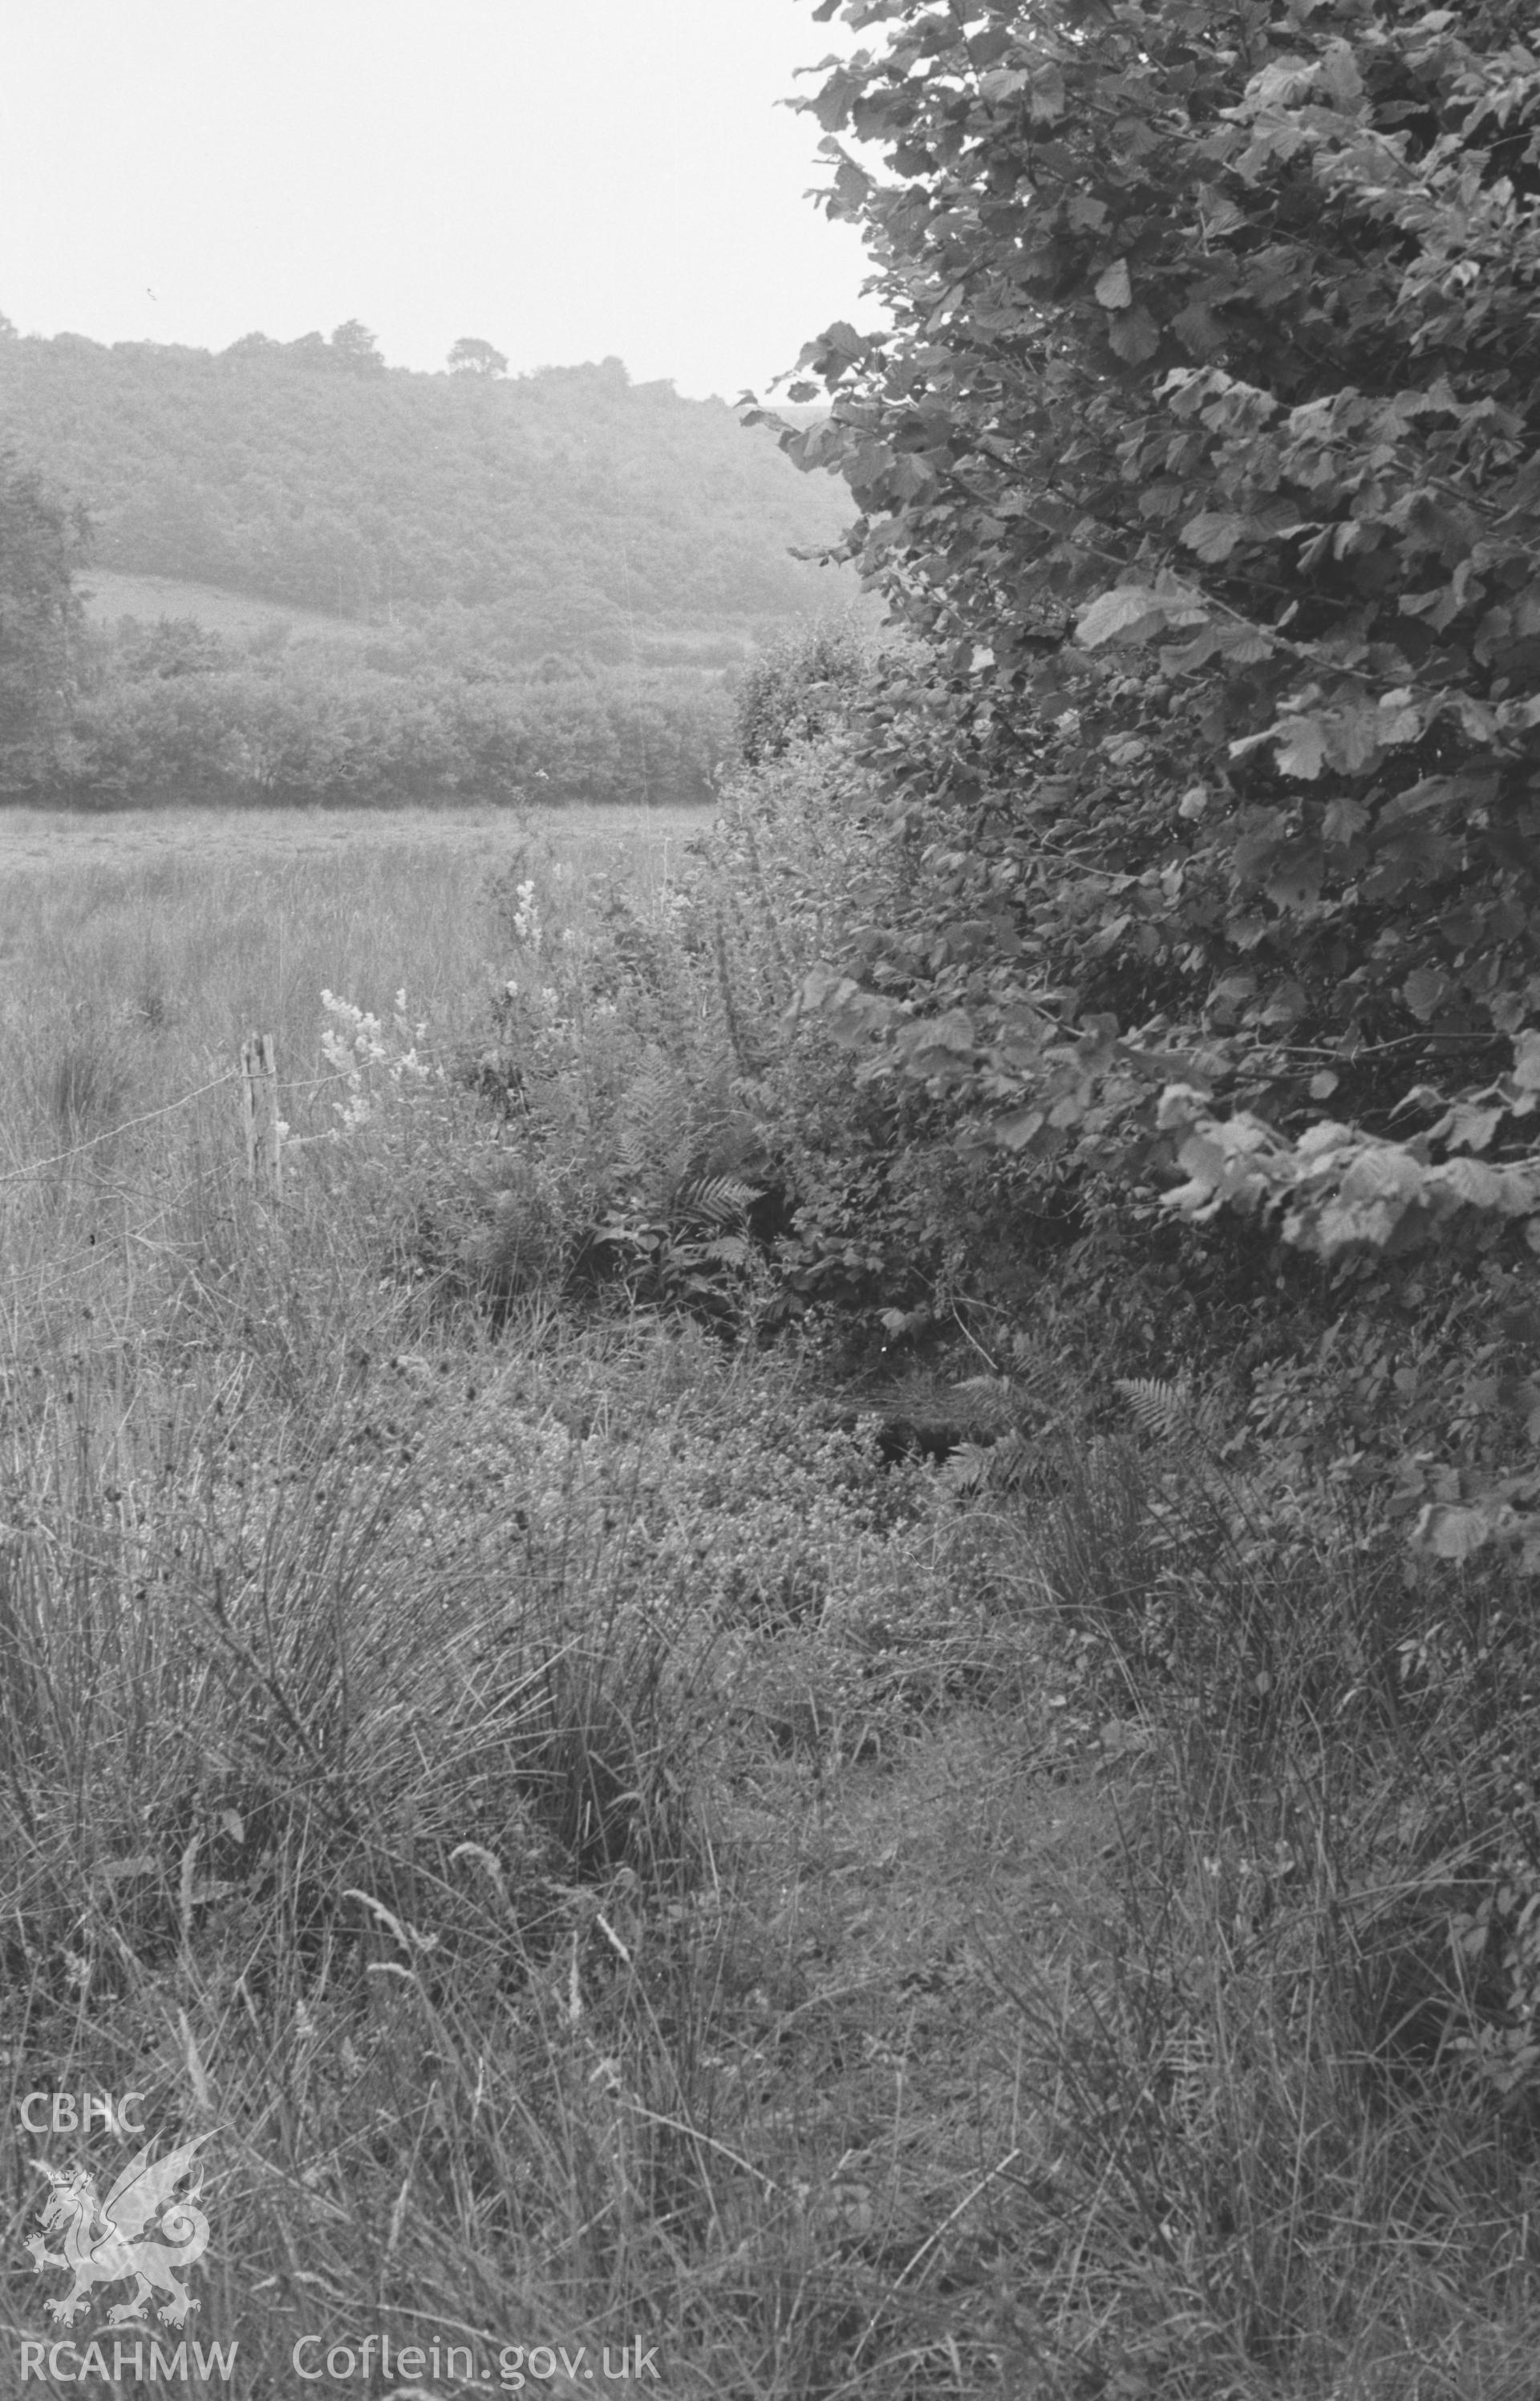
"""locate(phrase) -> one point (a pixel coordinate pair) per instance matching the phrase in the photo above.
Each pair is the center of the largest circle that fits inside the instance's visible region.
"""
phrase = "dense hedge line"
(169, 712)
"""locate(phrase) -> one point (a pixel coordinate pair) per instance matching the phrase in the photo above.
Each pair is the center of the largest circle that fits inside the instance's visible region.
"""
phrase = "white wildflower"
(527, 915)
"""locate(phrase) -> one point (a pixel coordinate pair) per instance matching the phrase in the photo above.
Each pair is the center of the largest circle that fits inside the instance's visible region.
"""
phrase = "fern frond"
(967, 1469)
(715, 1201)
(1161, 1410)
(1167, 1412)
(656, 1136)
(727, 1250)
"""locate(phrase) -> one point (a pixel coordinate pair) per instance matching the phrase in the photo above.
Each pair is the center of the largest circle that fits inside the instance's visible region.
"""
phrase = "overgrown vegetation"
(420, 1751)
(757, 1673)
(1047, 1909)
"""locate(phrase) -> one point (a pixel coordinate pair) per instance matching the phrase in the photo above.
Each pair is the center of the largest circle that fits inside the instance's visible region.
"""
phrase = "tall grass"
(387, 1798)
(128, 990)
(180, 953)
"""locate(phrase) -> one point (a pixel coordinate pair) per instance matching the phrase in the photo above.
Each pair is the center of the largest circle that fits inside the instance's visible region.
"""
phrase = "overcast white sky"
(565, 179)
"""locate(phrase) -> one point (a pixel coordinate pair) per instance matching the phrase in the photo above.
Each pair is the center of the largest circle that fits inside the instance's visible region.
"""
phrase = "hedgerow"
(1200, 450)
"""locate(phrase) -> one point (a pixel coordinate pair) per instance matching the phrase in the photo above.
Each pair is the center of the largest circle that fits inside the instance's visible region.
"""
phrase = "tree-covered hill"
(567, 511)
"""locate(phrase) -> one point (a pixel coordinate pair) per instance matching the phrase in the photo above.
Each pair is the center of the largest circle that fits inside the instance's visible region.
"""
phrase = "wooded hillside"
(567, 511)
(505, 588)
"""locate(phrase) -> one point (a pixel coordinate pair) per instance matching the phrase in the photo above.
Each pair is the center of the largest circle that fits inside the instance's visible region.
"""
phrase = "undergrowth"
(629, 1812)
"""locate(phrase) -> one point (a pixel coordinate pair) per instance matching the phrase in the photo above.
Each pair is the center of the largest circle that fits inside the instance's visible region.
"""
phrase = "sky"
(565, 179)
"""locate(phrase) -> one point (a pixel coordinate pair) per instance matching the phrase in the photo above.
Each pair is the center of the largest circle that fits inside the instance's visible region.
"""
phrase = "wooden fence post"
(259, 1114)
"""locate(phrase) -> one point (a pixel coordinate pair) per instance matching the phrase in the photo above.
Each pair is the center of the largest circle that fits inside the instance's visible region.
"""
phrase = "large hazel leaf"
(1471, 1184)
(1450, 1531)
(1135, 338)
(1214, 533)
(1346, 816)
(1295, 875)
(1118, 612)
(1469, 1127)
(1182, 658)
(1302, 747)
(939, 1046)
(1423, 991)
(1244, 646)
(1048, 94)
(1018, 1127)
(1526, 1060)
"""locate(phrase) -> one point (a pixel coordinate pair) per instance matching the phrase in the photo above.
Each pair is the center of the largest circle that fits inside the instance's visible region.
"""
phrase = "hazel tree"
(1203, 446)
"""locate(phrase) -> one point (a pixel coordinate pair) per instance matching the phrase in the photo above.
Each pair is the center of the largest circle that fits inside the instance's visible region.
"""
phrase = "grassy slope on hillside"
(109, 596)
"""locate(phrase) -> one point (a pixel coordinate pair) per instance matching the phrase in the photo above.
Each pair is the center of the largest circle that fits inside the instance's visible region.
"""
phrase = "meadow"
(139, 948)
(616, 1866)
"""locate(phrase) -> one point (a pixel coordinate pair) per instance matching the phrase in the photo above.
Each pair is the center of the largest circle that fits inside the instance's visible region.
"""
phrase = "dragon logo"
(101, 2237)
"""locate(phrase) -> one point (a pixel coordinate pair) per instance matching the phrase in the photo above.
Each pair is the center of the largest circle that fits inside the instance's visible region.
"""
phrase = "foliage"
(41, 545)
(1210, 334)
(472, 356)
(651, 1125)
(797, 687)
(173, 712)
(613, 1084)
(351, 349)
(172, 646)
(662, 1053)
(355, 350)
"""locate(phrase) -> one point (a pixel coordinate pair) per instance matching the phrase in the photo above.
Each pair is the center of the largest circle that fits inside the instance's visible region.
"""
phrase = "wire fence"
(35, 1273)
(273, 1088)
(113, 1132)
(90, 1247)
